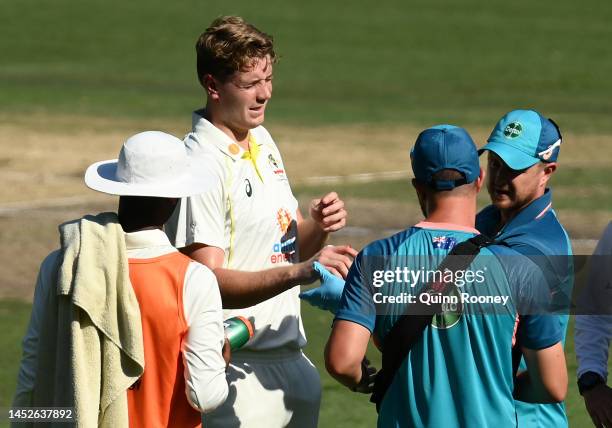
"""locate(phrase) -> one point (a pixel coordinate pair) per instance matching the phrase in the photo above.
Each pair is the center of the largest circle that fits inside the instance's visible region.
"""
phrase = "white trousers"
(272, 389)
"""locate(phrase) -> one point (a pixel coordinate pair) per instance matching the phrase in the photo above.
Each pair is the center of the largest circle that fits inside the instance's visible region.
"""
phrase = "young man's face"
(512, 190)
(243, 97)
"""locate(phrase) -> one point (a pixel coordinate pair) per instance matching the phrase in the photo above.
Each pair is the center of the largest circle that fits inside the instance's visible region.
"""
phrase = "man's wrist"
(589, 381)
(302, 273)
(320, 231)
(317, 221)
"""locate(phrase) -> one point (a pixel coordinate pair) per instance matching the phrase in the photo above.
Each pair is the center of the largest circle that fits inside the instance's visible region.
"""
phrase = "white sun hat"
(150, 163)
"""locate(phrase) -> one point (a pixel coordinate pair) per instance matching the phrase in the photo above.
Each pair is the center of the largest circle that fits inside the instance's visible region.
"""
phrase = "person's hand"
(598, 402)
(327, 295)
(226, 352)
(328, 212)
(336, 259)
(368, 375)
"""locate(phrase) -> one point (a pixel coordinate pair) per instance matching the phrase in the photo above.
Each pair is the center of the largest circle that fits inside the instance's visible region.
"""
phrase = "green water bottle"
(238, 331)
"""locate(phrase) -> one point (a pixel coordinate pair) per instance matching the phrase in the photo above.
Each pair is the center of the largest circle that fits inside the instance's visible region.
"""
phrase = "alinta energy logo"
(513, 130)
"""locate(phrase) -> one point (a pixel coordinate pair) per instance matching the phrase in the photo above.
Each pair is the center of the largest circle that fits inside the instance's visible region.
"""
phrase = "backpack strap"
(409, 328)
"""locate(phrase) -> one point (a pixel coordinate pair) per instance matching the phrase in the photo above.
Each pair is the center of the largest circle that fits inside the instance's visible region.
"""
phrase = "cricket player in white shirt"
(250, 232)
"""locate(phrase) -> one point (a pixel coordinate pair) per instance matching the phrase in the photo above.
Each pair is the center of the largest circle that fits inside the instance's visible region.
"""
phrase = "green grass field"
(580, 186)
(420, 62)
(355, 83)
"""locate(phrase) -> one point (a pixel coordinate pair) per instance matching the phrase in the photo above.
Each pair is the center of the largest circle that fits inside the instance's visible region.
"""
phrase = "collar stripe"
(544, 210)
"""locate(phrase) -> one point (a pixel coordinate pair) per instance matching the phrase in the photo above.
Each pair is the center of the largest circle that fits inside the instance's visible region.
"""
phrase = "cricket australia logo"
(284, 219)
(513, 130)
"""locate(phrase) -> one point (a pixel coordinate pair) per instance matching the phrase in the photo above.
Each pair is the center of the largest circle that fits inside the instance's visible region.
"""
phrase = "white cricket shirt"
(251, 216)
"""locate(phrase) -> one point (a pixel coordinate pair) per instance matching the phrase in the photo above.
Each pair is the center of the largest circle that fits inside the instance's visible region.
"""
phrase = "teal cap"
(444, 147)
(523, 138)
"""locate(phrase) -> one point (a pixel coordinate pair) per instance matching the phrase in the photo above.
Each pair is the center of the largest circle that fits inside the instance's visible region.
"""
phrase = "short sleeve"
(200, 218)
(539, 331)
(538, 327)
(356, 304)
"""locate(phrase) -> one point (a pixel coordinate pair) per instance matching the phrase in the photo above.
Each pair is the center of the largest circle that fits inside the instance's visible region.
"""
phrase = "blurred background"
(355, 84)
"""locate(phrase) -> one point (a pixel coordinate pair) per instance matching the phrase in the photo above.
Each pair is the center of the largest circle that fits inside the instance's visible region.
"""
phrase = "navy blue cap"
(444, 147)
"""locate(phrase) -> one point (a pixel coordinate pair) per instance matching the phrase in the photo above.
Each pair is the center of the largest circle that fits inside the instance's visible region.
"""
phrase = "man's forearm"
(240, 289)
(342, 366)
(349, 378)
(205, 382)
(545, 380)
(311, 238)
(345, 352)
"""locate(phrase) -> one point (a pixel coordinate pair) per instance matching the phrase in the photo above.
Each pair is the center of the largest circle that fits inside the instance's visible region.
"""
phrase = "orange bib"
(158, 398)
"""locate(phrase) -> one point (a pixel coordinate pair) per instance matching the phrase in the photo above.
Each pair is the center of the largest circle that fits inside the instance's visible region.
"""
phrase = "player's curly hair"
(231, 44)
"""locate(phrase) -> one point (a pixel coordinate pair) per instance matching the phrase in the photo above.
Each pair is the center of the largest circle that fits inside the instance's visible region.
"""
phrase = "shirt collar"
(146, 239)
(446, 226)
(535, 210)
(210, 133)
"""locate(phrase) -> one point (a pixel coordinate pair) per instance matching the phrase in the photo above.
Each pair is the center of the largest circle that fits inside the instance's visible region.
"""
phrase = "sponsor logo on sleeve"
(284, 251)
(283, 217)
(277, 169)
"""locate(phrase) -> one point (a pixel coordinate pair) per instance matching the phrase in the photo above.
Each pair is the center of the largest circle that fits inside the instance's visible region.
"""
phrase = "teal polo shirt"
(460, 373)
(536, 233)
